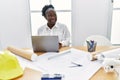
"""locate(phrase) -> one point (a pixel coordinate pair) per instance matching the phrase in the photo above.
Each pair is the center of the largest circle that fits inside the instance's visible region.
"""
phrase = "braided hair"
(45, 8)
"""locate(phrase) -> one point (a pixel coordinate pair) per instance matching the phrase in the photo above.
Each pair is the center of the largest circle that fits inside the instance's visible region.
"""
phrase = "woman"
(53, 27)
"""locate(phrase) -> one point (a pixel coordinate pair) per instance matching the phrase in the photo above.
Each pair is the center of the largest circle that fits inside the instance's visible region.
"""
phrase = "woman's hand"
(60, 45)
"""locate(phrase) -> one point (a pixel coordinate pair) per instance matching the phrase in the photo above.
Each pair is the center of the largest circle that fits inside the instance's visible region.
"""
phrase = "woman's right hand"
(60, 45)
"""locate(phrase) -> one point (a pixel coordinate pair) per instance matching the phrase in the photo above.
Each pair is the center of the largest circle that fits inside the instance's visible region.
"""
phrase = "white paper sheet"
(62, 64)
(112, 53)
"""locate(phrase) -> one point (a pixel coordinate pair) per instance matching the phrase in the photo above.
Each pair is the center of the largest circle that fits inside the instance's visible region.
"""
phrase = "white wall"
(15, 23)
(89, 17)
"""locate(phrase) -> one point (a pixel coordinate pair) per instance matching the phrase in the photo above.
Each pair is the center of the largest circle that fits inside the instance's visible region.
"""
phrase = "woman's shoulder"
(42, 27)
(61, 24)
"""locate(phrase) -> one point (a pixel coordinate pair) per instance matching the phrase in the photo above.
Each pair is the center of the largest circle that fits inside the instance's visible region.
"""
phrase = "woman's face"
(51, 17)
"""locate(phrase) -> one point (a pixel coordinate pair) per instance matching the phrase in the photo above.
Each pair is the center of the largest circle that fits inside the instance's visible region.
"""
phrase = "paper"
(109, 54)
(61, 65)
(23, 53)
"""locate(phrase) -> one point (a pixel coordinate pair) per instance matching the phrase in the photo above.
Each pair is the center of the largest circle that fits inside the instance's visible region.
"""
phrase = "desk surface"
(99, 75)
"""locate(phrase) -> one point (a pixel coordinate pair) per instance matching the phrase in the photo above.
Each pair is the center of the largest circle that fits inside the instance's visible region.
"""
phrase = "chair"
(101, 40)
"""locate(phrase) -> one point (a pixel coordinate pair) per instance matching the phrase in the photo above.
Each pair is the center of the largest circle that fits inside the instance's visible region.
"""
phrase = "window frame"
(112, 11)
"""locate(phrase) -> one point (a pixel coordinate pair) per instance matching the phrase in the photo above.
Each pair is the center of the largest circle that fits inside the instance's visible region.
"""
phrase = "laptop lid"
(45, 43)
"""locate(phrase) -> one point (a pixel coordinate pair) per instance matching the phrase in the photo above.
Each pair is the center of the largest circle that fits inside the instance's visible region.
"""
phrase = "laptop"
(45, 43)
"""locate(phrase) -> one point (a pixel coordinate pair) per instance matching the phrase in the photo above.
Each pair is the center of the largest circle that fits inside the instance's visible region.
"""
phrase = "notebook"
(45, 43)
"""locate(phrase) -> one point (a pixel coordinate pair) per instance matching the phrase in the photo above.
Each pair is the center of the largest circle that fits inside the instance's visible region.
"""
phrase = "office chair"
(101, 40)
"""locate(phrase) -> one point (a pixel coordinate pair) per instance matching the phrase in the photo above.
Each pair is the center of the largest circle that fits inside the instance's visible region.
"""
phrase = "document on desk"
(114, 53)
(73, 64)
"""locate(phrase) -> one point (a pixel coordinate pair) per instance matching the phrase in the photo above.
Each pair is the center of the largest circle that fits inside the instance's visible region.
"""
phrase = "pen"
(88, 42)
(92, 43)
(76, 64)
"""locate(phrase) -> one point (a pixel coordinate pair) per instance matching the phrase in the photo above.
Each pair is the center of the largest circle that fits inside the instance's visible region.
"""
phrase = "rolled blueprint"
(109, 54)
(100, 55)
(23, 53)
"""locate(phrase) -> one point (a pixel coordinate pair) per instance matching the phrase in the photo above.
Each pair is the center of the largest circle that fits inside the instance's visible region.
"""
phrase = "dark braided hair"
(45, 8)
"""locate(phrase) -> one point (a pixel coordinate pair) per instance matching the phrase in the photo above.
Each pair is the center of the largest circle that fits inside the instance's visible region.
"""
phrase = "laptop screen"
(45, 43)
